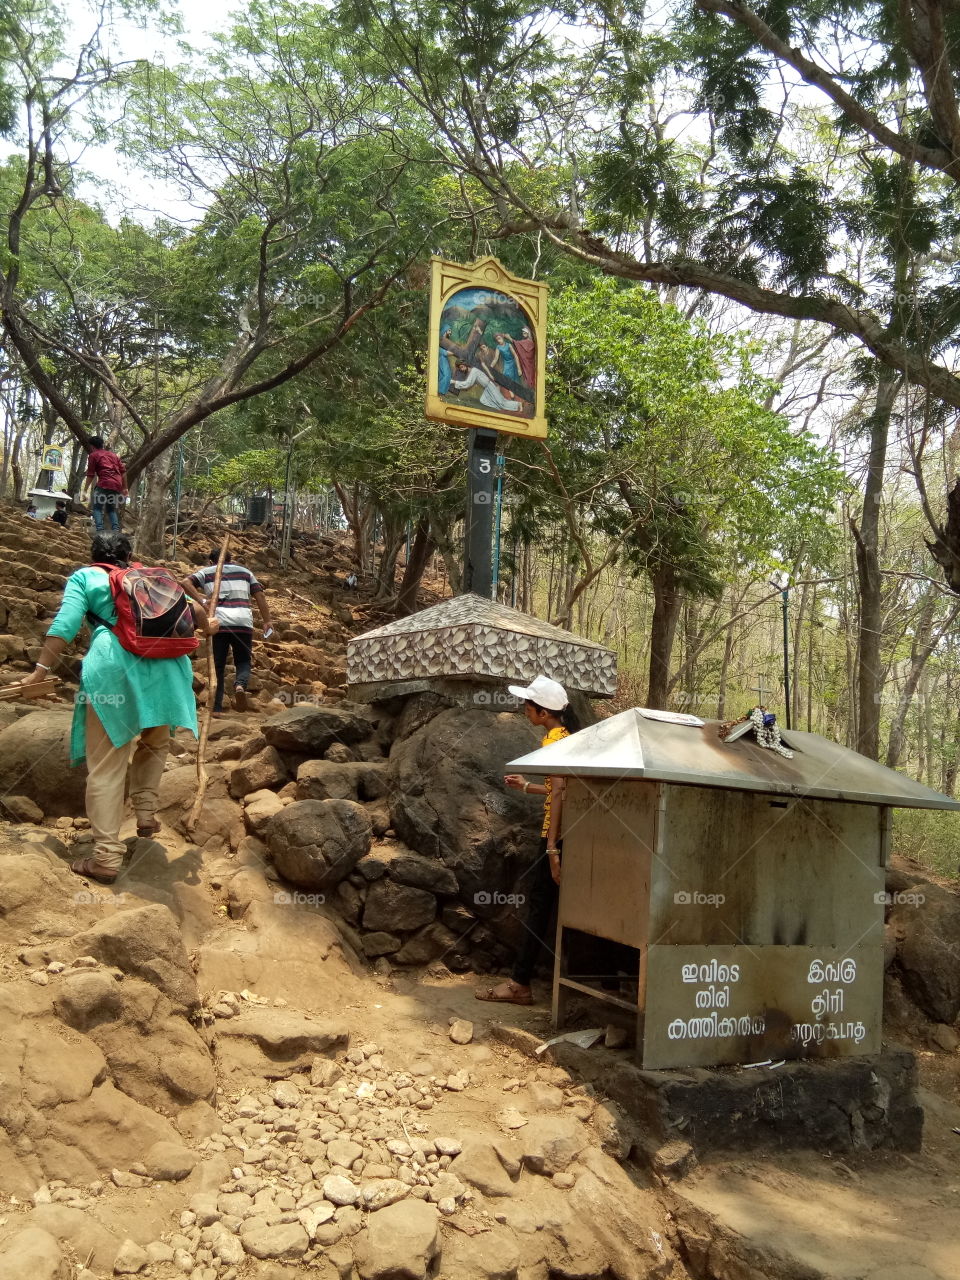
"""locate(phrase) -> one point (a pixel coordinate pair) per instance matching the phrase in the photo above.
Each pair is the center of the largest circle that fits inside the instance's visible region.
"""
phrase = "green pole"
(498, 519)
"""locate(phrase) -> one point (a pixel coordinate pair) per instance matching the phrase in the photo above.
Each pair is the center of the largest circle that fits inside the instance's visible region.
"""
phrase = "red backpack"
(154, 618)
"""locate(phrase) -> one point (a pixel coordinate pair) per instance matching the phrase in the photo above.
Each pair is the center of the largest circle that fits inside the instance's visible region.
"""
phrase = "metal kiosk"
(746, 890)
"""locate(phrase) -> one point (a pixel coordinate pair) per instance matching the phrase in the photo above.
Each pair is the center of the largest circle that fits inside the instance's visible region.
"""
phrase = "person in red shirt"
(110, 477)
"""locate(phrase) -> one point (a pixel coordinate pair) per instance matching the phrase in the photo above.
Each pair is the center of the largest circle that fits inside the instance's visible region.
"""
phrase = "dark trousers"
(241, 642)
(106, 500)
(542, 894)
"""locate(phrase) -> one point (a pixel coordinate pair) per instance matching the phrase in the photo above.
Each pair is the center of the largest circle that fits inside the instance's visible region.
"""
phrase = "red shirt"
(108, 469)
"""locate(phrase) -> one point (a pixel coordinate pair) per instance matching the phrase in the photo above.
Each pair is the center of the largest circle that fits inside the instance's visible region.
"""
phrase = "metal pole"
(478, 524)
(287, 503)
(785, 597)
(285, 540)
(498, 518)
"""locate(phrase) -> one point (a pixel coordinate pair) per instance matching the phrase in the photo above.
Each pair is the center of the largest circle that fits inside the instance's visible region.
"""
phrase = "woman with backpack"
(124, 695)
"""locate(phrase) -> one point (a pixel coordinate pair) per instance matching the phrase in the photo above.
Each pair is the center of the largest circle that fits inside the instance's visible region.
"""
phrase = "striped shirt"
(236, 586)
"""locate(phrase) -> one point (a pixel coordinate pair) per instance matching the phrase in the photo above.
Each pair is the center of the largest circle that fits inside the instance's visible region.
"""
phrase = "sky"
(114, 184)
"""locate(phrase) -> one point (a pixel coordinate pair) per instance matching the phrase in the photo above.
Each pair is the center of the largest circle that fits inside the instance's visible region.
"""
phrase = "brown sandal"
(148, 829)
(89, 869)
(491, 994)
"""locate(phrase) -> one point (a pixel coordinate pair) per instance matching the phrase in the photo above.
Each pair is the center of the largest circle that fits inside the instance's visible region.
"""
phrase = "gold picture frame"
(486, 357)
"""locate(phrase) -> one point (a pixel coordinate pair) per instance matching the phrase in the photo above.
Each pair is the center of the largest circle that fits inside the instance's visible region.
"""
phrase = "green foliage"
(930, 838)
(252, 471)
(660, 432)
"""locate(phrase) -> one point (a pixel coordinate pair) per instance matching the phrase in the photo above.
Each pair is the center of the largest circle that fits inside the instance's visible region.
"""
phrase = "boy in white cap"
(546, 705)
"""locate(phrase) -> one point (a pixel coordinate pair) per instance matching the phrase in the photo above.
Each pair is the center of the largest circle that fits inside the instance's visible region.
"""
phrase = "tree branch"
(929, 157)
(862, 325)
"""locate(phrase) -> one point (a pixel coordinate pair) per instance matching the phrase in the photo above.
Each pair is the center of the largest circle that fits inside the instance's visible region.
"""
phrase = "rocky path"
(226, 1067)
(387, 1138)
(360, 1127)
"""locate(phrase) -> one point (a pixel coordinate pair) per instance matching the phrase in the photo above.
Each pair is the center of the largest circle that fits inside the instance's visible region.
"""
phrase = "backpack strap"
(94, 619)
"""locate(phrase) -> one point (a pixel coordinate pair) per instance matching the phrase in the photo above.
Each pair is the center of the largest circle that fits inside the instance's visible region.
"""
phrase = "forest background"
(748, 219)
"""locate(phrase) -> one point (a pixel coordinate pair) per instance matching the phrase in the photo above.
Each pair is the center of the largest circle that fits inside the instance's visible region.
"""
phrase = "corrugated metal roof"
(630, 746)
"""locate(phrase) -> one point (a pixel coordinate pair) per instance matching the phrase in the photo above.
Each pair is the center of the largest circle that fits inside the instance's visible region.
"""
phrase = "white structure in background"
(45, 500)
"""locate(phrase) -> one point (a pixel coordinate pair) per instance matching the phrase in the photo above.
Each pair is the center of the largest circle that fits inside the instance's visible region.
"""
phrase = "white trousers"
(107, 768)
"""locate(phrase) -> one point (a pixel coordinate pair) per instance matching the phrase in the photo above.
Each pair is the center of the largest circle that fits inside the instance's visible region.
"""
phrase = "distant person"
(238, 587)
(108, 475)
(31, 512)
(351, 581)
(123, 697)
(546, 705)
(60, 514)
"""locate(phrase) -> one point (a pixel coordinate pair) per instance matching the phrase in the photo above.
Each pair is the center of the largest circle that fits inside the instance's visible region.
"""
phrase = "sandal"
(88, 868)
(512, 995)
(148, 829)
(240, 698)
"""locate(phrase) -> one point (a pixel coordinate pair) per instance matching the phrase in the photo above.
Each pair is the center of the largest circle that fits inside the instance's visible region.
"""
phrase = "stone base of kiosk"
(844, 1104)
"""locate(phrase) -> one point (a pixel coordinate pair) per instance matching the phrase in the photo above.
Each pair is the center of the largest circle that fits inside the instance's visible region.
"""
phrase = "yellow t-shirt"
(554, 735)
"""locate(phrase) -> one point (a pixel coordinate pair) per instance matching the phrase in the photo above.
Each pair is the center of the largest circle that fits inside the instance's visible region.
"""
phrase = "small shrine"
(471, 638)
(737, 873)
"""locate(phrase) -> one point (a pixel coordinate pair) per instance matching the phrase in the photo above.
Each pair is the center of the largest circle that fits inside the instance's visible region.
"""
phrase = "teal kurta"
(128, 693)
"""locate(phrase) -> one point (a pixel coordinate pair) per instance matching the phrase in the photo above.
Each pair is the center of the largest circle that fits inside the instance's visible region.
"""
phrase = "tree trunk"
(951, 757)
(153, 512)
(869, 581)
(812, 624)
(918, 661)
(359, 516)
(394, 536)
(421, 549)
(725, 667)
(667, 602)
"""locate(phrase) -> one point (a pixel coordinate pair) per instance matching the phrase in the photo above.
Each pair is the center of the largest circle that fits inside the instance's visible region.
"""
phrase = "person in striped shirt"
(239, 588)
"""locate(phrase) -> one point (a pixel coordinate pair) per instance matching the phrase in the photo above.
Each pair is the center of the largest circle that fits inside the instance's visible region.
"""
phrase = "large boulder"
(277, 1042)
(926, 921)
(397, 907)
(220, 821)
(401, 1242)
(401, 864)
(61, 1115)
(265, 769)
(312, 729)
(33, 1254)
(448, 801)
(145, 943)
(35, 762)
(329, 780)
(317, 843)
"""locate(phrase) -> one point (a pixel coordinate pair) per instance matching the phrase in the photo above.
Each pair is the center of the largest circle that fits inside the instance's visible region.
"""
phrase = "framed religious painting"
(486, 354)
(52, 459)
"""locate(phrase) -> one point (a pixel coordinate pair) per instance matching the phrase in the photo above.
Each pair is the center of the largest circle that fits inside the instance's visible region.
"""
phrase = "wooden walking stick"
(208, 709)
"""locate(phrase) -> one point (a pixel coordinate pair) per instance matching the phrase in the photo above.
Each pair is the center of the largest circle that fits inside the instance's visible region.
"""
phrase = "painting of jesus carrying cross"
(486, 366)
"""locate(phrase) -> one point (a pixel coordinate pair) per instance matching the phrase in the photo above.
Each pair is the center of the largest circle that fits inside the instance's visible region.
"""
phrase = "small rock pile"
(340, 1167)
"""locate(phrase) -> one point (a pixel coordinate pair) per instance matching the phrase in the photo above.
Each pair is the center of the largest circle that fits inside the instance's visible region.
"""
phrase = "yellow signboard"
(487, 348)
(52, 458)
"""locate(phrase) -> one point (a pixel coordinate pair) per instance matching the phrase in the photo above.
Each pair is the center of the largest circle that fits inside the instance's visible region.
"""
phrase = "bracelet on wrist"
(526, 787)
(42, 665)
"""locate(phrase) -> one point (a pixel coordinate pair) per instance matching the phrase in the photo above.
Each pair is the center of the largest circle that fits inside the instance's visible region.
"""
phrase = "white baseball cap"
(543, 691)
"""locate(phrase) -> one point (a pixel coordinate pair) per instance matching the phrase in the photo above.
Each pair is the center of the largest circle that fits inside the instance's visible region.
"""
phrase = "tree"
(675, 148)
(312, 213)
(663, 456)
